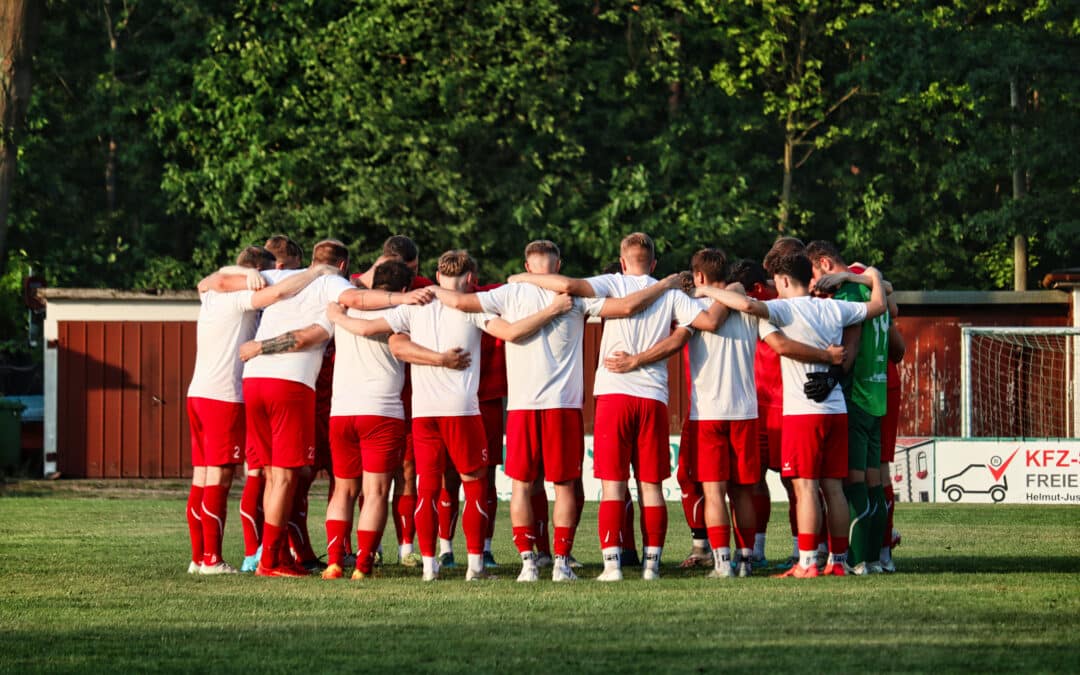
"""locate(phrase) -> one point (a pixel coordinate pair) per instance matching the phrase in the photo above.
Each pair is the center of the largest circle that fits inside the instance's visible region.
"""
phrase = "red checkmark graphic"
(1000, 471)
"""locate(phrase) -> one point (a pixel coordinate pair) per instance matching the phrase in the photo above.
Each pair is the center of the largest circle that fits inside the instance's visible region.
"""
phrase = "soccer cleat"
(528, 574)
(411, 560)
(799, 572)
(446, 560)
(792, 561)
(614, 574)
(630, 558)
(822, 559)
(480, 575)
(841, 569)
(722, 572)
(698, 557)
(220, 568)
(888, 566)
(759, 563)
(357, 575)
(744, 568)
(561, 573)
(193, 567)
(376, 560)
(649, 574)
(433, 574)
(860, 570)
(572, 562)
(251, 562)
(489, 560)
(895, 538)
(333, 571)
(543, 560)
(313, 565)
(282, 571)
(875, 568)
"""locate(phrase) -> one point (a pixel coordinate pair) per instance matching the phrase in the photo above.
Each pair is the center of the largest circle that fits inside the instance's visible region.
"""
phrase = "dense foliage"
(164, 134)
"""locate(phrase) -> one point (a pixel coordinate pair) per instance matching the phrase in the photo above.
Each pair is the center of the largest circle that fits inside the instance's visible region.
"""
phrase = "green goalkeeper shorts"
(864, 439)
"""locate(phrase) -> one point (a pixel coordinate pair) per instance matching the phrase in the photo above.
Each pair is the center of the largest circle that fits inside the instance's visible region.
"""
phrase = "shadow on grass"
(997, 564)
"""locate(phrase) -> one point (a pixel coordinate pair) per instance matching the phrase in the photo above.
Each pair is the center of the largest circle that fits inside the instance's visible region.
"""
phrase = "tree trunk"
(1019, 189)
(19, 24)
(785, 190)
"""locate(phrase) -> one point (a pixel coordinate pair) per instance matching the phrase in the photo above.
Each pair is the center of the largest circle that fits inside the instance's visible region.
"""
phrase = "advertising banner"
(1009, 471)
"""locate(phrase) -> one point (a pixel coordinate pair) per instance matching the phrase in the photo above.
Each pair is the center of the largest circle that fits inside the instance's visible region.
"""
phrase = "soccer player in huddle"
(545, 432)
(446, 412)
(279, 378)
(215, 403)
(631, 426)
(814, 443)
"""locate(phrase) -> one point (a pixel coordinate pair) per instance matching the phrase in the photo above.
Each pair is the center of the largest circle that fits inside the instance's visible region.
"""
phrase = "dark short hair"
(819, 248)
(256, 257)
(712, 262)
(612, 268)
(782, 247)
(401, 246)
(281, 247)
(392, 275)
(796, 266)
(329, 252)
(748, 272)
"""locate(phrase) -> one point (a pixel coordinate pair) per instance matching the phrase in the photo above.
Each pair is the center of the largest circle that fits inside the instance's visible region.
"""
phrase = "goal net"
(1019, 382)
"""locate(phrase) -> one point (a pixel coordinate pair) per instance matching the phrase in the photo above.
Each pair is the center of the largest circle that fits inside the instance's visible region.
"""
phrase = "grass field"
(93, 579)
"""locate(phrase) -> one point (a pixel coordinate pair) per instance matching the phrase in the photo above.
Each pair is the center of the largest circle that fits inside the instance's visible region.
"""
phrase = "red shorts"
(545, 442)
(889, 425)
(217, 431)
(360, 443)
(629, 431)
(322, 429)
(721, 450)
(815, 446)
(491, 411)
(462, 438)
(770, 422)
(280, 422)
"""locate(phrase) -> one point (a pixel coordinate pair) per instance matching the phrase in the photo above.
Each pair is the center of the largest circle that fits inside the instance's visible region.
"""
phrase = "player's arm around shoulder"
(465, 302)
(404, 349)
(291, 341)
(290, 285)
(337, 315)
(523, 328)
(739, 302)
(638, 301)
(624, 362)
(555, 282)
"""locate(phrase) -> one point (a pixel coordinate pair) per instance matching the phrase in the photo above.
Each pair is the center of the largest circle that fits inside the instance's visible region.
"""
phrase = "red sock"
(564, 540)
(251, 512)
(524, 538)
(890, 501)
(629, 541)
(404, 525)
(791, 514)
(763, 511)
(214, 507)
(474, 521)
(427, 521)
(274, 537)
(299, 538)
(838, 544)
(449, 505)
(610, 523)
(744, 537)
(366, 543)
(720, 536)
(807, 541)
(693, 505)
(194, 523)
(336, 533)
(654, 521)
(542, 516)
(492, 508)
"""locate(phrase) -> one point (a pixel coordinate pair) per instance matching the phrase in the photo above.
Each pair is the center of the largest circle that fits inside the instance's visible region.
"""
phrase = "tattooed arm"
(292, 341)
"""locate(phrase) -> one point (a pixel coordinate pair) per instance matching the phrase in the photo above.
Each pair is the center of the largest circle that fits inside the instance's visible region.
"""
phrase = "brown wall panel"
(71, 400)
(95, 400)
(113, 413)
(132, 410)
(152, 365)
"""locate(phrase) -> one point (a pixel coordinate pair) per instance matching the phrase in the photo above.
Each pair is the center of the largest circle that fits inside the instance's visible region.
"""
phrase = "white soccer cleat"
(193, 567)
(529, 574)
(861, 570)
(480, 575)
(875, 568)
(744, 568)
(649, 574)
(433, 573)
(888, 566)
(561, 573)
(220, 568)
(614, 574)
(722, 572)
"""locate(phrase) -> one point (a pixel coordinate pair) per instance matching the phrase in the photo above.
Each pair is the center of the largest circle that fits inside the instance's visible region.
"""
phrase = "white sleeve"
(779, 312)
(399, 318)
(242, 300)
(603, 286)
(765, 328)
(495, 300)
(591, 306)
(479, 319)
(684, 309)
(851, 312)
(336, 285)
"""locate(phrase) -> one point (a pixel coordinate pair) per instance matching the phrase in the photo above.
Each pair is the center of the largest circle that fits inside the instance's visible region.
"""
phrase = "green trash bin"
(10, 434)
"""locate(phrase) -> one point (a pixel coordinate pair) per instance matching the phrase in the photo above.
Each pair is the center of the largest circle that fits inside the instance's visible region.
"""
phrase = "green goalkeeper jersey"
(866, 384)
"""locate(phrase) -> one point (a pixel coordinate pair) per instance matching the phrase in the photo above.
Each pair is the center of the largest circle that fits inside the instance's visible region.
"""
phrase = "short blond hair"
(542, 247)
(456, 263)
(640, 241)
(330, 252)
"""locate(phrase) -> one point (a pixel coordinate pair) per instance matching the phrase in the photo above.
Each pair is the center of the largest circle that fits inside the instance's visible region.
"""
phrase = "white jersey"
(545, 370)
(722, 369)
(367, 377)
(226, 321)
(306, 308)
(636, 334)
(437, 391)
(818, 322)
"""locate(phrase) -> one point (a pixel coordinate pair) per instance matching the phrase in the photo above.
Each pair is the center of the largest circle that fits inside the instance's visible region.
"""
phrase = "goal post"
(1019, 382)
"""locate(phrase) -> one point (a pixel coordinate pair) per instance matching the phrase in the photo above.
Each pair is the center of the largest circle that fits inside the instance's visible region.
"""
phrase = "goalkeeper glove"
(819, 385)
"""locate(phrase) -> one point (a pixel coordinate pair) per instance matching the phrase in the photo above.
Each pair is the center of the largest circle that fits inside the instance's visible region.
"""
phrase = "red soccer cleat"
(799, 572)
(282, 571)
(836, 570)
